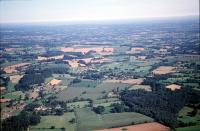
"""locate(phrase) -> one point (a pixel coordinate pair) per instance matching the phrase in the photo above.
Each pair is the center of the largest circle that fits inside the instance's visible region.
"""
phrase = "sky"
(83, 10)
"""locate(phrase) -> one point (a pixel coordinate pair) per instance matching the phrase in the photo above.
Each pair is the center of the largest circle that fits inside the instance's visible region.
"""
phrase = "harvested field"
(73, 63)
(4, 100)
(143, 87)
(173, 87)
(54, 82)
(136, 49)
(129, 81)
(164, 70)
(8, 49)
(33, 94)
(40, 58)
(2, 89)
(154, 126)
(11, 69)
(15, 78)
(86, 50)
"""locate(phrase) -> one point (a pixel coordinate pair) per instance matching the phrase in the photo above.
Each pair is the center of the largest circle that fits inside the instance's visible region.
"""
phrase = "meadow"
(88, 120)
(187, 119)
(57, 122)
(99, 92)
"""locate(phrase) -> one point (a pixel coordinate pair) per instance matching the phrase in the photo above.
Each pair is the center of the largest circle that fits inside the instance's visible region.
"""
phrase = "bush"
(76, 80)
(99, 109)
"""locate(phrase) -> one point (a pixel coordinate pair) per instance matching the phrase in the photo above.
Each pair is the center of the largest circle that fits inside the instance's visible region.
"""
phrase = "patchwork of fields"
(107, 77)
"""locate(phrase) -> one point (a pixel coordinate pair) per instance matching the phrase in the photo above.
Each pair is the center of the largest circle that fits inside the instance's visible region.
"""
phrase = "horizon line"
(101, 20)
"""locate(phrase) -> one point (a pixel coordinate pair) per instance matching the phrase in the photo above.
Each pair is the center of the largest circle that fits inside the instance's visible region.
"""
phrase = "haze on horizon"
(12, 11)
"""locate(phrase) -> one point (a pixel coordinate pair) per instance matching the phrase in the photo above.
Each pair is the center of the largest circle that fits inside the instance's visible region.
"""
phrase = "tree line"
(162, 104)
(35, 76)
(20, 122)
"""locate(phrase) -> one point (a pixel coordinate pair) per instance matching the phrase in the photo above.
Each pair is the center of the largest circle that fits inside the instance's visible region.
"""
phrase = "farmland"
(88, 77)
(92, 93)
(140, 127)
(187, 118)
(58, 122)
(87, 120)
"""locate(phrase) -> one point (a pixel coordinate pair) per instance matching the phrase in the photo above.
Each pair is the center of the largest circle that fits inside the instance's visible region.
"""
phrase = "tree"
(52, 127)
(34, 119)
(76, 80)
(117, 108)
(72, 121)
(20, 122)
(99, 109)
(59, 112)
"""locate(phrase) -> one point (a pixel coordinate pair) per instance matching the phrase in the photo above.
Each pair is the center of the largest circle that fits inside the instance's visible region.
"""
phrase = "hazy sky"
(70, 10)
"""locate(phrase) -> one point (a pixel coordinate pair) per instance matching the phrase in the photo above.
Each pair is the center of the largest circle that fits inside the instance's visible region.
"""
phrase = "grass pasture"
(66, 78)
(57, 121)
(79, 104)
(86, 83)
(109, 86)
(14, 95)
(92, 93)
(11, 86)
(143, 70)
(105, 104)
(87, 120)
(99, 101)
(184, 117)
(190, 128)
(46, 129)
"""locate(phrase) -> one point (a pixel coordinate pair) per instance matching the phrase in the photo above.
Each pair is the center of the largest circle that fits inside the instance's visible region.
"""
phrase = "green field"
(92, 93)
(87, 120)
(14, 95)
(46, 129)
(105, 104)
(79, 104)
(11, 86)
(66, 78)
(57, 121)
(99, 101)
(109, 86)
(143, 69)
(140, 67)
(86, 83)
(191, 128)
(185, 118)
